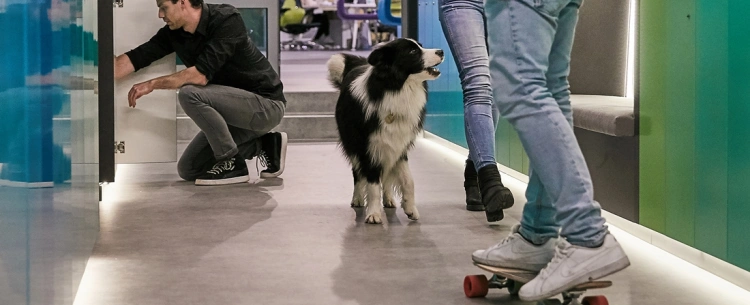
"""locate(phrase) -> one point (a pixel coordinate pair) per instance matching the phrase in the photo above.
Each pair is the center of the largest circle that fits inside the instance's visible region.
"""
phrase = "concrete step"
(299, 128)
(306, 102)
(302, 102)
(309, 116)
(309, 127)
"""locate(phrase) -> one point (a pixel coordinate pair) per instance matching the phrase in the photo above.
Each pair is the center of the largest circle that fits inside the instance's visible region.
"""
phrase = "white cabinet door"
(148, 131)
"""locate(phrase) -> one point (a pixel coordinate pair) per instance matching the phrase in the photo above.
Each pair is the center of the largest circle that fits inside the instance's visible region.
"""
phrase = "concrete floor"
(295, 240)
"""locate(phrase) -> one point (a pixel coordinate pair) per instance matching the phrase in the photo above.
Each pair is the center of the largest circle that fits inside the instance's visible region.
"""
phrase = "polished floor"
(295, 240)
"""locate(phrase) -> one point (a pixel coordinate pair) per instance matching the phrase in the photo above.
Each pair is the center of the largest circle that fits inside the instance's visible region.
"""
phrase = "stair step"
(307, 128)
(311, 101)
(302, 102)
(309, 116)
(302, 127)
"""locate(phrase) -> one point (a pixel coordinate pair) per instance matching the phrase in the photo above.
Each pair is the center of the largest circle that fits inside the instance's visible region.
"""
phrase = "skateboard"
(512, 279)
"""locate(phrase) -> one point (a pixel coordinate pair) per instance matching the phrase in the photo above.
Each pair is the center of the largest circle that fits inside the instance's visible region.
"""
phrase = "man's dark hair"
(193, 3)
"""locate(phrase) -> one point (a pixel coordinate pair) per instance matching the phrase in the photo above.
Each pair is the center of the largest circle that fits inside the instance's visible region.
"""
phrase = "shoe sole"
(282, 161)
(475, 207)
(520, 268)
(495, 213)
(496, 222)
(610, 269)
(239, 179)
(494, 217)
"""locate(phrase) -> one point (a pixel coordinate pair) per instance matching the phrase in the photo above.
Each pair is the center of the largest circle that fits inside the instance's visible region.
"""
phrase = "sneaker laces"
(561, 252)
(508, 239)
(262, 158)
(222, 166)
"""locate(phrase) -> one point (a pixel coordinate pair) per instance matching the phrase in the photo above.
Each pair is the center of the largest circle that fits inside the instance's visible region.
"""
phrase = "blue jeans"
(530, 42)
(463, 26)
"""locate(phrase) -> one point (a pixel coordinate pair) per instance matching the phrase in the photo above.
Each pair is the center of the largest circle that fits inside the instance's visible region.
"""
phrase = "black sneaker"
(223, 172)
(273, 154)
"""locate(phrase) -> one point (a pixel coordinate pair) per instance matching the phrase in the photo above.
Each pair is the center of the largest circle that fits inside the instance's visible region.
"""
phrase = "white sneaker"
(574, 265)
(516, 252)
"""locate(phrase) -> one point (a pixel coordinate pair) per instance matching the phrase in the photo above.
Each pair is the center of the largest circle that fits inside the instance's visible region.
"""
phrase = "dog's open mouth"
(433, 71)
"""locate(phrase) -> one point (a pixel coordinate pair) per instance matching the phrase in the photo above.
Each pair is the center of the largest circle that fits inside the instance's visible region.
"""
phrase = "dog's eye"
(413, 52)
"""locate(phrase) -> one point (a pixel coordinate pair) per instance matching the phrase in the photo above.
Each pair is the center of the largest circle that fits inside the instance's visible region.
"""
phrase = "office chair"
(296, 21)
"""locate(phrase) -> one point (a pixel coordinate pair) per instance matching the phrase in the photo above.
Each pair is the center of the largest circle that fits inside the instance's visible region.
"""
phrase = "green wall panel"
(653, 74)
(739, 134)
(695, 124)
(509, 149)
(445, 106)
(516, 151)
(502, 149)
(525, 163)
(680, 129)
(711, 127)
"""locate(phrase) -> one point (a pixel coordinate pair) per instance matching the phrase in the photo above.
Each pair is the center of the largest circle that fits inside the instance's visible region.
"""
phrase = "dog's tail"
(340, 64)
(336, 66)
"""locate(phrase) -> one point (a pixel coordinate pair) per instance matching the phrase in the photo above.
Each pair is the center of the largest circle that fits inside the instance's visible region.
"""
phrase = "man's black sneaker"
(273, 154)
(223, 172)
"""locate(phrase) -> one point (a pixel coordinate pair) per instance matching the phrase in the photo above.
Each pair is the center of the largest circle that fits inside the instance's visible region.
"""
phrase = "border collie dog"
(380, 111)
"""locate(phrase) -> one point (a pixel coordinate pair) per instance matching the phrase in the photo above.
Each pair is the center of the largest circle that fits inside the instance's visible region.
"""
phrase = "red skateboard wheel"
(595, 300)
(476, 286)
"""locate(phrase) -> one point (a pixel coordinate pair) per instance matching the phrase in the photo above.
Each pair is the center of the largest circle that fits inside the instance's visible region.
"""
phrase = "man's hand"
(138, 91)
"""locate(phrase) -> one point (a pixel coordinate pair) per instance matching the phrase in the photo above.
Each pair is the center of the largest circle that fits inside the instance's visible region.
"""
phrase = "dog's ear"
(380, 56)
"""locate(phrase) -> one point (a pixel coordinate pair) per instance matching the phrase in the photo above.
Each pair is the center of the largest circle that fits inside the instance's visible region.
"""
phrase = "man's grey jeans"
(231, 121)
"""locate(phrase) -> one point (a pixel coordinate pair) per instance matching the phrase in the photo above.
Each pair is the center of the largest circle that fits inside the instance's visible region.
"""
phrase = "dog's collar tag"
(390, 118)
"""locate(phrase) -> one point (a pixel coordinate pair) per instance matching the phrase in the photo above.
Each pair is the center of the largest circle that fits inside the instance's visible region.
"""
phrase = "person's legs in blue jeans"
(530, 44)
(539, 221)
(464, 27)
(521, 39)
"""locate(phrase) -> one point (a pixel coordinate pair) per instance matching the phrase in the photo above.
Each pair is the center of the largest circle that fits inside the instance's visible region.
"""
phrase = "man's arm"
(157, 47)
(189, 76)
(123, 66)
(219, 48)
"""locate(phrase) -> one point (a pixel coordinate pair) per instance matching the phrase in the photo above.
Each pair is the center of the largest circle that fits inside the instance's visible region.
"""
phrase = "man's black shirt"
(220, 49)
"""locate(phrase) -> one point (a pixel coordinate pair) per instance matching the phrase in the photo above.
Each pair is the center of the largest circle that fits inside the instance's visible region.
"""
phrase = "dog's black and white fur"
(379, 113)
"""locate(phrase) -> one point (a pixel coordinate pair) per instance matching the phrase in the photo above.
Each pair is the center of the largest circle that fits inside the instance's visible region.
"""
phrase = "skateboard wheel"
(476, 286)
(595, 300)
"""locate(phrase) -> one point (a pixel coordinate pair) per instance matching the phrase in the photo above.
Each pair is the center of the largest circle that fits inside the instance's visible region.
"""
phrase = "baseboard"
(700, 259)
(465, 152)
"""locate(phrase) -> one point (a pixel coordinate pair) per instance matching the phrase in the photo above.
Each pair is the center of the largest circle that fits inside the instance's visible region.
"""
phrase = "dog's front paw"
(388, 202)
(411, 212)
(374, 218)
(358, 202)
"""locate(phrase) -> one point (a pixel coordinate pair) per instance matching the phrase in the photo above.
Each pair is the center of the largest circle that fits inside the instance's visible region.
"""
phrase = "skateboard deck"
(523, 276)
(513, 279)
